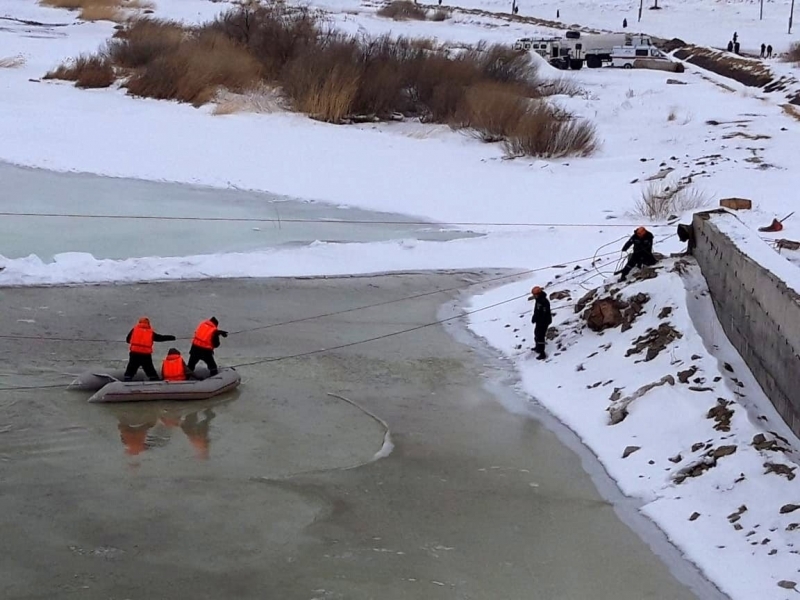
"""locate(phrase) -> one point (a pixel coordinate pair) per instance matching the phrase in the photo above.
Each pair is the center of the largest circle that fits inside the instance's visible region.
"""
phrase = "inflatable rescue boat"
(109, 387)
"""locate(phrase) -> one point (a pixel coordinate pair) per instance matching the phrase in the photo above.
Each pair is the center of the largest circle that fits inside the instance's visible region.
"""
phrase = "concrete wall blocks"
(759, 311)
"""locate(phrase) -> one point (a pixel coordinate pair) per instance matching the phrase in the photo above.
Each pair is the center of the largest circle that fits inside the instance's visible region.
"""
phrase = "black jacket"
(541, 310)
(641, 245)
(157, 337)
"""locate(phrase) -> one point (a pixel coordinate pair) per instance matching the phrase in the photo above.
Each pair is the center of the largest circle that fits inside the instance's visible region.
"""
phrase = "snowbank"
(690, 449)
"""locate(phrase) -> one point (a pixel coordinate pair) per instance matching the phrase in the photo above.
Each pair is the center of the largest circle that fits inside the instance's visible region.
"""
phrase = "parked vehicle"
(642, 57)
(575, 48)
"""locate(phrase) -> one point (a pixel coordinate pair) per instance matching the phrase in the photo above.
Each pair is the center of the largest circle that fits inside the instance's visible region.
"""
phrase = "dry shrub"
(102, 13)
(86, 71)
(664, 198)
(333, 77)
(491, 111)
(12, 62)
(196, 69)
(793, 54)
(440, 15)
(401, 10)
(144, 40)
(323, 81)
(672, 115)
(547, 132)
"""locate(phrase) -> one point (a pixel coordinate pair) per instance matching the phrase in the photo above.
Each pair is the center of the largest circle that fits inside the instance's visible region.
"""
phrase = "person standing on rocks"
(541, 319)
(642, 243)
(763, 50)
(769, 51)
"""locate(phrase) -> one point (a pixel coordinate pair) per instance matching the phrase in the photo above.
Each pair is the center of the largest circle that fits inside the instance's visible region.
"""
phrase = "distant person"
(769, 51)
(642, 243)
(736, 47)
(558, 14)
(141, 339)
(730, 46)
(624, 23)
(735, 37)
(173, 368)
(206, 338)
(516, 10)
(541, 319)
(763, 50)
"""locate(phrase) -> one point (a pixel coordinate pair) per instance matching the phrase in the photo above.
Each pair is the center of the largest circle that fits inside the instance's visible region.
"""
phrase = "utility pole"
(761, 13)
(791, 16)
(641, 2)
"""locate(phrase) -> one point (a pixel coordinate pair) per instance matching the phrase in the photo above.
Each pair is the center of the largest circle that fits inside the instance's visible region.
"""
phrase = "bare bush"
(547, 132)
(490, 111)
(672, 115)
(664, 198)
(561, 86)
(196, 69)
(401, 10)
(144, 40)
(86, 71)
(99, 10)
(336, 77)
(440, 15)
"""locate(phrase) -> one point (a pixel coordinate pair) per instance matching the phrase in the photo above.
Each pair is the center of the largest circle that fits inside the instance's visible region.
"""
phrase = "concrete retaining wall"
(758, 309)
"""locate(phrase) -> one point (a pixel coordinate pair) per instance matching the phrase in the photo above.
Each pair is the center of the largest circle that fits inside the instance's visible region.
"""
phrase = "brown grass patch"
(196, 69)
(546, 132)
(402, 10)
(102, 13)
(86, 71)
(440, 15)
(493, 91)
(490, 111)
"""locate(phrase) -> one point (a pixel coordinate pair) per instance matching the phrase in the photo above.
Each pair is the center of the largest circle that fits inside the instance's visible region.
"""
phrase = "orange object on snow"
(774, 226)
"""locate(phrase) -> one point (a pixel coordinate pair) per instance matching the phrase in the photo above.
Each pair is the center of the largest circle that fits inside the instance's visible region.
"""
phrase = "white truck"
(641, 57)
(575, 48)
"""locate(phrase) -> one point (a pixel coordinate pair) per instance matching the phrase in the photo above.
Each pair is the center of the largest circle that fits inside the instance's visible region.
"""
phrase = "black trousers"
(539, 333)
(638, 260)
(145, 361)
(197, 354)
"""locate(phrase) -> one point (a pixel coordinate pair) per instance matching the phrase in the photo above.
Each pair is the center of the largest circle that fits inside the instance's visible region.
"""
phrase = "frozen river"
(24, 190)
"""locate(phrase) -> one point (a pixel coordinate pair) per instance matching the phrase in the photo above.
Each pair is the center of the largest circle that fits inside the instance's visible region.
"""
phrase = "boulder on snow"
(604, 313)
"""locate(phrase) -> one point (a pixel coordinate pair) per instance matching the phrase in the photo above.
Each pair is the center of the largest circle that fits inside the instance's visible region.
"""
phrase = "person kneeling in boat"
(141, 339)
(173, 368)
(206, 338)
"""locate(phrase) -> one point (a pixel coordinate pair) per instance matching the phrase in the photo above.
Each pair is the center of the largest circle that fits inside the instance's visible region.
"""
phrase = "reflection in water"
(148, 428)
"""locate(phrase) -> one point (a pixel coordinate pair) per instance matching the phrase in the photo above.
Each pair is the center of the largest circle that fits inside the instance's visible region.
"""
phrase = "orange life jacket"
(204, 335)
(172, 368)
(142, 339)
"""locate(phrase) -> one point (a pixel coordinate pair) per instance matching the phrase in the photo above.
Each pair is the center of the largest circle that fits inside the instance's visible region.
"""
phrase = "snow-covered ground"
(732, 141)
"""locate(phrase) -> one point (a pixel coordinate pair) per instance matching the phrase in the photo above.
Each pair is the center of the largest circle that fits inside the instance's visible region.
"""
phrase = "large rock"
(604, 313)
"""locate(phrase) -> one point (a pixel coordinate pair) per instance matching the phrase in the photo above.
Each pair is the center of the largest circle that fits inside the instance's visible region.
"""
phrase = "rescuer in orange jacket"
(173, 368)
(206, 338)
(141, 339)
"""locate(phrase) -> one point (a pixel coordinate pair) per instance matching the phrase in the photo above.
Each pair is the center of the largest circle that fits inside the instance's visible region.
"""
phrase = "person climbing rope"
(642, 243)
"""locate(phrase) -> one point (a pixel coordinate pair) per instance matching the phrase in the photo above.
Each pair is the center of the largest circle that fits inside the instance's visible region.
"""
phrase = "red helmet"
(536, 290)
(640, 231)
